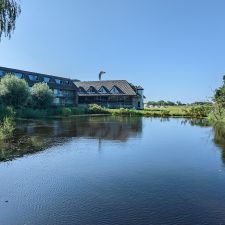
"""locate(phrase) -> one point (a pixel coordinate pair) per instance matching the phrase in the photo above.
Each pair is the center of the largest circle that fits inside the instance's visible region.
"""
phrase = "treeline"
(177, 103)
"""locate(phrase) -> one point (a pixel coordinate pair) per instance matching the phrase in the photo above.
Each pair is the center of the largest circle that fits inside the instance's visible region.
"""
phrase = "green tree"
(42, 96)
(14, 91)
(219, 96)
(9, 11)
(218, 112)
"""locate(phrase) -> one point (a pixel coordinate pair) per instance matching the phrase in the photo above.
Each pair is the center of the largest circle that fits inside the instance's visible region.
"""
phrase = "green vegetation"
(171, 111)
(32, 113)
(9, 11)
(164, 103)
(7, 128)
(218, 112)
(178, 103)
(14, 92)
(42, 96)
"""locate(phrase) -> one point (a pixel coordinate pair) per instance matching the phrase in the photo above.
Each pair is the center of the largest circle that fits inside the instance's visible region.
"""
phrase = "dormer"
(19, 75)
(91, 90)
(103, 90)
(59, 81)
(115, 90)
(33, 77)
(81, 90)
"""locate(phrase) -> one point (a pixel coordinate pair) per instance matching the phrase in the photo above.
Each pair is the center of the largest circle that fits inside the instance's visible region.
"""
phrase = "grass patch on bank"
(30, 113)
(53, 112)
(171, 111)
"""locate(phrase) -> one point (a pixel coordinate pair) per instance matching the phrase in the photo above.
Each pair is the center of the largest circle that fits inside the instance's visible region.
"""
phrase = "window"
(57, 92)
(33, 77)
(81, 90)
(46, 79)
(102, 90)
(56, 101)
(2, 73)
(19, 75)
(91, 90)
(58, 81)
(115, 90)
(67, 82)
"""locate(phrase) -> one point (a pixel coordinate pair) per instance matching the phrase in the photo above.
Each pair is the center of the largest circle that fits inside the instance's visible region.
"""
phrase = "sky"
(175, 49)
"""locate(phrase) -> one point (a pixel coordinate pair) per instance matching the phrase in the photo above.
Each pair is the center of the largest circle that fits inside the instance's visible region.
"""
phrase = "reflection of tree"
(219, 137)
(218, 132)
(196, 122)
(35, 136)
(21, 146)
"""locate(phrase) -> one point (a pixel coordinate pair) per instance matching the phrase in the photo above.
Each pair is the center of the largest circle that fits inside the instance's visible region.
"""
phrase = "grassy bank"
(172, 111)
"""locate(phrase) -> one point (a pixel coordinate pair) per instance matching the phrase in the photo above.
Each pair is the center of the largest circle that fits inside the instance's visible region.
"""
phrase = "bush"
(217, 114)
(42, 96)
(14, 91)
(30, 113)
(198, 111)
(7, 128)
(6, 111)
(66, 111)
(94, 108)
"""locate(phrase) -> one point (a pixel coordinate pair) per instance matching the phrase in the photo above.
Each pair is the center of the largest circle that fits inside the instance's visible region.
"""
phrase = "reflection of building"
(31, 137)
(107, 128)
(113, 94)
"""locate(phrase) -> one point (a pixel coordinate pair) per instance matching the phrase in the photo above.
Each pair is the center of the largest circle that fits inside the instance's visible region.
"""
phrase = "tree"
(219, 96)
(9, 11)
(14, 91)
(42, 95)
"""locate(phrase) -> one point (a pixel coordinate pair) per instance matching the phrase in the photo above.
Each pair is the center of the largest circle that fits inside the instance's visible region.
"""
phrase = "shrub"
(198, 111)
(94, 108)
(6, 111)
(30, 113)
(66, 111)
(14, 91)
(7, 128)
(217, 113)
(79, 110)
(42, 96)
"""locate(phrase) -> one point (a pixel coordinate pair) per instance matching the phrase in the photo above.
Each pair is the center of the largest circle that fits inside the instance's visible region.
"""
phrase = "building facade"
(108, 93)
(64, 90)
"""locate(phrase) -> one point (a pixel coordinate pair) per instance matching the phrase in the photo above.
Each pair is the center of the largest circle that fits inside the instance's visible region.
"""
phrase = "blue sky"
(175, 49)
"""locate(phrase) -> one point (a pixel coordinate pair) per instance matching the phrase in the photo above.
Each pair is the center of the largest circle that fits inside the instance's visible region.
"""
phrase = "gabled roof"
(123, 85)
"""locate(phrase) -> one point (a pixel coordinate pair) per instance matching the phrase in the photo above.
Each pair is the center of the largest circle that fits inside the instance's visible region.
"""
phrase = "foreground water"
(113, 170)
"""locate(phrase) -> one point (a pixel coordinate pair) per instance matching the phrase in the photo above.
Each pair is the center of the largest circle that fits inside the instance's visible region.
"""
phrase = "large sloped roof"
(122, 85)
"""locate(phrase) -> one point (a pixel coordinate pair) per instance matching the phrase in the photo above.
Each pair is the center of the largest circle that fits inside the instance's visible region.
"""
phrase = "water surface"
(113, 170)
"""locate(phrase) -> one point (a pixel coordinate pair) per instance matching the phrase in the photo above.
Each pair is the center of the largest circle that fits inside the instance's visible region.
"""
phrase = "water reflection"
(219, 138)
(33, 136)
(218, 132)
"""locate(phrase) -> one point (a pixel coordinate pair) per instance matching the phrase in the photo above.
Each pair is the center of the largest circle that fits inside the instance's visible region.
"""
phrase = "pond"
(113, 170)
